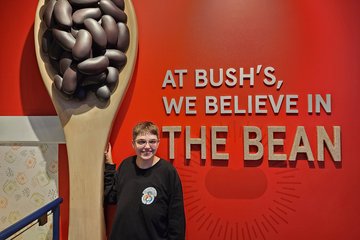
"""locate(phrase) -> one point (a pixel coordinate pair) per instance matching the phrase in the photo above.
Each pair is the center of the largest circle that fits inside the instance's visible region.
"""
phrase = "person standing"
(147, 190)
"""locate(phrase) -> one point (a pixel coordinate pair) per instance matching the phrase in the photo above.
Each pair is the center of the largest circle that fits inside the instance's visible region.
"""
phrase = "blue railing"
(39, 215)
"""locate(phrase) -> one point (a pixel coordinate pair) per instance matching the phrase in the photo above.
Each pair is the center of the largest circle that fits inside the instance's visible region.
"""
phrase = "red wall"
(314, 48)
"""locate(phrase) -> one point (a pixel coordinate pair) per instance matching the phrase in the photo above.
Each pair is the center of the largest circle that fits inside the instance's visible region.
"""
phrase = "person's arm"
(108, 155)
(176, 215)
(110, 177)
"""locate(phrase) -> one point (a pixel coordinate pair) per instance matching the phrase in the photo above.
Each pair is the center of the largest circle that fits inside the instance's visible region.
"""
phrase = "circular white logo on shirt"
(149, 195)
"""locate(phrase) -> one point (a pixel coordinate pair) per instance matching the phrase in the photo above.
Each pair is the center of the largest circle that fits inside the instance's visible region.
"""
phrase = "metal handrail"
(53, 206)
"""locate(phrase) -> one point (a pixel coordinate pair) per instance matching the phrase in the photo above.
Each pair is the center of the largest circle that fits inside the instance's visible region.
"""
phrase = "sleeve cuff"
(110, 167)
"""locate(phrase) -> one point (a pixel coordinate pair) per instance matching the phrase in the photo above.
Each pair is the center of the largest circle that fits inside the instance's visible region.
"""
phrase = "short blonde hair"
(144, 128)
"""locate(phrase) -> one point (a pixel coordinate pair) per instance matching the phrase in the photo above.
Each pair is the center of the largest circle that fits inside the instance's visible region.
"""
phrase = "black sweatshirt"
(149, 201)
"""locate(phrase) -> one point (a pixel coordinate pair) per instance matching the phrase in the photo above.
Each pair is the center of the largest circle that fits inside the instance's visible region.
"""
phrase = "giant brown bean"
(69, 82)
(82, 47)
(47, 40)
(65, 39)
(55, 51)
(123, 39)
(119, 3)
(117, 58)
(65, 62)
(74, 32)
(112, 78)
(58, 80)
(94, 65)
(97, 32)
(80, 15)
(84, 3)
(109, 8)
(62, 13)
(103, 93)
(111, 30)
(93, 79)
(48, 13)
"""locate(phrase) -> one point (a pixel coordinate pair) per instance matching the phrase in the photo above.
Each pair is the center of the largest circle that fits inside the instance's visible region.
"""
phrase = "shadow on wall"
(35, 100)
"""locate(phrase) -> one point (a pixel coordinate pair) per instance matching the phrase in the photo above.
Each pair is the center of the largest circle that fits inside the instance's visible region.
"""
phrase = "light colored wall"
(28, 181)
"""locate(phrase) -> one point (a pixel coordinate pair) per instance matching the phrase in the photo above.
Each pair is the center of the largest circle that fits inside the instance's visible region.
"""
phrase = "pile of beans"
(85, 42)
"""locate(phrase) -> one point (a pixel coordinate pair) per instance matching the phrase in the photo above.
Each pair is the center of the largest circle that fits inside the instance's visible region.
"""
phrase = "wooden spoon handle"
(85, 143)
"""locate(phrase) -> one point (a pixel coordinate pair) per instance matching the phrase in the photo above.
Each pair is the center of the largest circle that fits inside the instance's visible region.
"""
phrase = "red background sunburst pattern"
(313, 47)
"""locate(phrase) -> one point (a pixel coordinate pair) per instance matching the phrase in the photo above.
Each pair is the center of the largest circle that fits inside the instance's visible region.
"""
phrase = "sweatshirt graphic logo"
(149, 195)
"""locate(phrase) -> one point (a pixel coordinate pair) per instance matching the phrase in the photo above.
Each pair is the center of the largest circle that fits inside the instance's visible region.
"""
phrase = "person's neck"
(144, 164)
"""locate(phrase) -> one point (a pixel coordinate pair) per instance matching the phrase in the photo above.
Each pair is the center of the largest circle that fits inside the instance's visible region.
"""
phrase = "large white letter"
(323, 139)
(272, 142)
(195, 141)
(181, 73)
(218, 141)
(252, 142)
(169, 79)
(171, 130)
(172, 105)
(211, 106)
(189, 105)
(301, 136)
(200, 78)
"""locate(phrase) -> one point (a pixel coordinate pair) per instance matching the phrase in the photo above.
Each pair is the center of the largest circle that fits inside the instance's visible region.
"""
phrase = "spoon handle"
(86, 141)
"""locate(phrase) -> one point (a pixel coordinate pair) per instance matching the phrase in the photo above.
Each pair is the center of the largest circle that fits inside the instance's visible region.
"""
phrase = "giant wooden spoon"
(87, 125)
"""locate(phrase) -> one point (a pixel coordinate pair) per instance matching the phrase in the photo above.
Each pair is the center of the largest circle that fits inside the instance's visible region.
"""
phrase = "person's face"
(145, 145)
